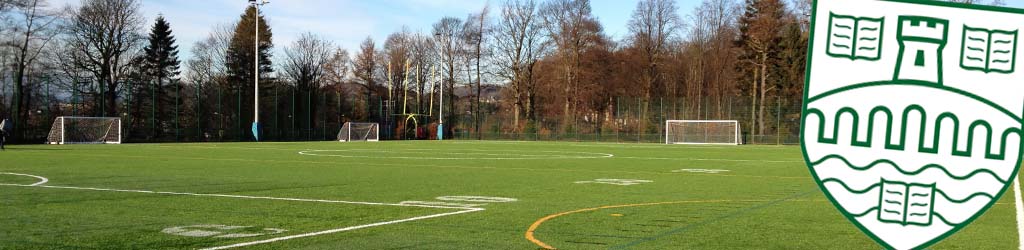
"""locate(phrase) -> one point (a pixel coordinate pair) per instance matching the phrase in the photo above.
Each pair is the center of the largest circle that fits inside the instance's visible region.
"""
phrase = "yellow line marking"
(536, 224)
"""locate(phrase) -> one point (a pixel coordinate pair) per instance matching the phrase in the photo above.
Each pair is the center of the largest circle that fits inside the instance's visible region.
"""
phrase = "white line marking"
(703, 159)
(620, 182)
(235, 196)
(342, 229)
(1020, 211)
(487, 154)
(42, 180)
(463, 209)
(700, 171)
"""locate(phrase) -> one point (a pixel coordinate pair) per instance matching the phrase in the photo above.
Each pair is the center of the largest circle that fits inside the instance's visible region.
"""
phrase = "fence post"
(198, 116)
(778, 120)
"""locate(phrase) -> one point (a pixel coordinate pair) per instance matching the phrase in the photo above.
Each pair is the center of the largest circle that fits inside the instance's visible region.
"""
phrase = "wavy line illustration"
(937, 191)
(1001, 52)
(843, 26)
(865, 212)
(976, 49)
(851, 190)
(841, 46)
(897, 167)
(943, 219)
(841, 36)
(964, 200)
(1003, 41)
(934, 214)
(975, 39)
(868, 29)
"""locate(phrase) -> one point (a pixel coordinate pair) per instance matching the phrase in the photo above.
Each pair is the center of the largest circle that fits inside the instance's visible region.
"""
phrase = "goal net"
(359, 131)
(725, 132)
(85, 130)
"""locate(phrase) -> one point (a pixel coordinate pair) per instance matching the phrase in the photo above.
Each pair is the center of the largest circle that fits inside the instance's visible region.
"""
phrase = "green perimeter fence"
(212, 114)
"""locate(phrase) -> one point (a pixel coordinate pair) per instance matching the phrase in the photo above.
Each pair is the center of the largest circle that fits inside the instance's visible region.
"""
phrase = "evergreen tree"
(239, 63)
(759, 42)
(162, 67)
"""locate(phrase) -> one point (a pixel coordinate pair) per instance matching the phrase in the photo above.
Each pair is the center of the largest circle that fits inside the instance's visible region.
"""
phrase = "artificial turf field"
(430, 195)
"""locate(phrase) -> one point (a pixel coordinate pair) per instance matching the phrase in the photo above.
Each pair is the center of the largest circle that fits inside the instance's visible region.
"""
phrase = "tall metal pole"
(256, 77)
(440, 114)
(440, 108)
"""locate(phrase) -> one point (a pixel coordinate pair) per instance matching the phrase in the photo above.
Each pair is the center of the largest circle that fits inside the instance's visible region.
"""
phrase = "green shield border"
(803, 121)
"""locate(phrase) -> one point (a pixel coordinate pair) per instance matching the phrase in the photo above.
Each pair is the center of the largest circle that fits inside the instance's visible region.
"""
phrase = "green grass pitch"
(430, 195)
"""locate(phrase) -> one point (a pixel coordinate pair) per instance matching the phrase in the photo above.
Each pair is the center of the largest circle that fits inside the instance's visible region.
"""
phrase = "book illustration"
(907, 204)
(989, 50)
(855, 37)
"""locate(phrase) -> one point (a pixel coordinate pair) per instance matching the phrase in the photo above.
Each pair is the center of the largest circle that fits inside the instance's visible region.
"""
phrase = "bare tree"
(519, 45)
(653, 25)
(449, 51)
(208, 55)
(474, 34)
(572, 27)
(422, 57)
(397, 53)
(337, 67)
(104, 36)
(307, 60)
(364, 68)
(711, 57)
(32, 34)
(305, 65)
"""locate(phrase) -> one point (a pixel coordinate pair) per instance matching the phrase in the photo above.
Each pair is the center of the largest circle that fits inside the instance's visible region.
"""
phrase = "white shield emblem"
(912, 113)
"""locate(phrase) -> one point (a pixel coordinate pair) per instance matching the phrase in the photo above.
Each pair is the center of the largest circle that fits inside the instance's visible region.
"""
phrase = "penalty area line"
(343, 229)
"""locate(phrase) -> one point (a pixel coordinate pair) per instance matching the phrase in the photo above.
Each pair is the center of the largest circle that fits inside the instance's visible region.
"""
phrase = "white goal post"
(719, 132)
(85, 130)
(359, 131)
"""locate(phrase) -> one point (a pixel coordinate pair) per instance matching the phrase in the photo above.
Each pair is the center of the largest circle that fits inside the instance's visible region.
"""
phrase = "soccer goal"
(723, 132)
(85, 130)
(359, 131)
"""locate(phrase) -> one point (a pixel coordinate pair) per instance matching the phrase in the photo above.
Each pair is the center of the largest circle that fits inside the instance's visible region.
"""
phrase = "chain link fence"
(209, 113)
(634, 120)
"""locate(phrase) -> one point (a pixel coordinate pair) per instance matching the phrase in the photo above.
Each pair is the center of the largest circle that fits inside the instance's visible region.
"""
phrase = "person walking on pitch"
(5, 128)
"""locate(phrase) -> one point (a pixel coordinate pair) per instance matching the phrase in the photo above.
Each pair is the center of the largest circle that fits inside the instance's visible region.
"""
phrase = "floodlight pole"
(440, 108)
(256, 77)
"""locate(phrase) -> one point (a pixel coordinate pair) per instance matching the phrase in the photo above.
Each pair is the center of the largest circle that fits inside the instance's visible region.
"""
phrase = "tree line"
(519, 67)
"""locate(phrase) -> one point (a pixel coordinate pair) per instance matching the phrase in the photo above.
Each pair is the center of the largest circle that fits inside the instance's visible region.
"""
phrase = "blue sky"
(348, 22)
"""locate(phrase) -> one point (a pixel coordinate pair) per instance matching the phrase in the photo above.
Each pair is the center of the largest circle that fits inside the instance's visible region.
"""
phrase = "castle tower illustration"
(921, 42)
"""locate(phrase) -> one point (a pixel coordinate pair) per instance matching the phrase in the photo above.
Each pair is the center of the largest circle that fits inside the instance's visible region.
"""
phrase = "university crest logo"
(913, 113)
